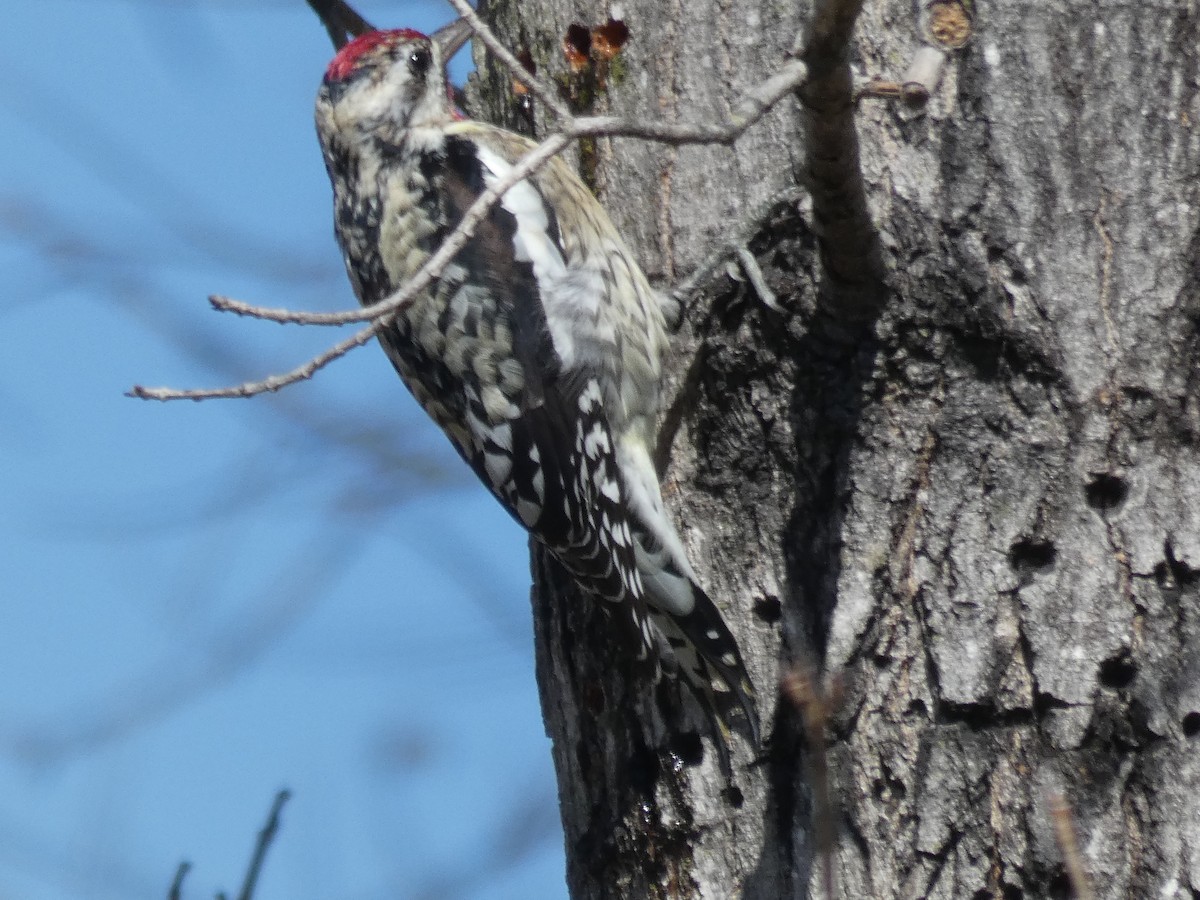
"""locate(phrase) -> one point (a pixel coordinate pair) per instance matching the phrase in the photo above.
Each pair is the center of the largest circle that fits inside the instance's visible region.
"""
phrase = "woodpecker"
(538, 350)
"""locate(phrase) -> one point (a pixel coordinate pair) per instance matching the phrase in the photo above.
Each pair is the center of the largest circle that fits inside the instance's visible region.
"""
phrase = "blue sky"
(202, 603)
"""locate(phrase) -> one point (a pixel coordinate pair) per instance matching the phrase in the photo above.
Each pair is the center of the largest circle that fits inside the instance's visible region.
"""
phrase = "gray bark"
(983, 511)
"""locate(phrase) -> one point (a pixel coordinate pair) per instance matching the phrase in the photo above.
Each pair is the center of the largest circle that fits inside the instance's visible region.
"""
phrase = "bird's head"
(386, 82)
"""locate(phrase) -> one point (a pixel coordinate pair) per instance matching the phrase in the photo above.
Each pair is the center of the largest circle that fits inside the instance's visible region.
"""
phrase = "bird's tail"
(712, 664)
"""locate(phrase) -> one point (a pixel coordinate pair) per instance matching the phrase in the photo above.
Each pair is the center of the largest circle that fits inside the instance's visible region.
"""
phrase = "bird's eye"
(419, 61)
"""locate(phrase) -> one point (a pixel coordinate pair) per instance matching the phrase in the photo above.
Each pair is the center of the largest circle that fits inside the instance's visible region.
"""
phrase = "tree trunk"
(982, 511)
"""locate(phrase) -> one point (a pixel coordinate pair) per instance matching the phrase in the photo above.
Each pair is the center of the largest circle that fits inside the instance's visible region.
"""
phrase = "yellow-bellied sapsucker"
(538, 349)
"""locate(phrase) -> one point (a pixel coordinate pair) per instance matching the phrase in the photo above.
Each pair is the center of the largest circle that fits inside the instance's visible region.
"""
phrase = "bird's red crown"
(343, 64)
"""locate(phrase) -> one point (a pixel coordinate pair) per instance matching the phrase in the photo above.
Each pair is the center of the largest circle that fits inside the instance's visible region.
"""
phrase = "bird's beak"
(450, 38)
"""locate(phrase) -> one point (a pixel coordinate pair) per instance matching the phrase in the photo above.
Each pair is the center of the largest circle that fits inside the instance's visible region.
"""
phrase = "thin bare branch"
(434, 265)
(748, 111)
(267, 385)
(341, 21)
(265, 836)
(749, 227)
(752, 107)
(540, 89)
(176, 892)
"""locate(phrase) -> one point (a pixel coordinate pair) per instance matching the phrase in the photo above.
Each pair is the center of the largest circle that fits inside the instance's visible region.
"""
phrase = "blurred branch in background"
(250, 880)
(341, 21)
(530, 822)
(345, 461)
(120, 163)
(199, 662)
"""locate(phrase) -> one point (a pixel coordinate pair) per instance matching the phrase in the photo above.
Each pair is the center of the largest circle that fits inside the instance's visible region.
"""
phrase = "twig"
(265, 836)
(1068, 845)
(749, 110)
(757, 281)
(540, 89)
(340, 19)
(750, 226)
(272, 383)
(752, 108)
(924, 73)
(176, 892)
(455, 241)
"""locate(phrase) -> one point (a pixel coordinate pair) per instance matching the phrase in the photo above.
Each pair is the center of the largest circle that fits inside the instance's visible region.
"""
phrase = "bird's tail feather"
(704, 648)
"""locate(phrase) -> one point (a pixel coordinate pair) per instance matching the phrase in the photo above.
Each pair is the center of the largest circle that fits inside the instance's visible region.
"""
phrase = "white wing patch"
(532, 243)
(573, 291)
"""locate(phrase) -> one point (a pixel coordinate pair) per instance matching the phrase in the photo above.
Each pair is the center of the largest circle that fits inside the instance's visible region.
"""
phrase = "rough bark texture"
(984, 512)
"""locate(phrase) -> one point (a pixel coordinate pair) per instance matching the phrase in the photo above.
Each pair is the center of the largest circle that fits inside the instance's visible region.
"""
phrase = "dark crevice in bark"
(825, 361)
(981, 716)
(822, 364)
